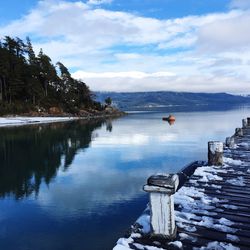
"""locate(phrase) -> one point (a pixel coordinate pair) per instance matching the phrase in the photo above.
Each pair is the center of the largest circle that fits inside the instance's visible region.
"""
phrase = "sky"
(140, 45)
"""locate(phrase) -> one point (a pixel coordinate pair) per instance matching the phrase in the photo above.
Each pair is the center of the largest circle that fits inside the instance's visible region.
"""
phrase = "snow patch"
(123, 244)
(21, 120)
(244, 144)
(121, 247)
(216, 186)
(230, 206)
(233, 237)
(215, 245)
(144, 221)
(207, 174)
(209, 222)
(184, 236)
(226, 222)
(188, 228)
(176, 244)
(139, 246)
(231, 161)
(239, 181)
(152, 248)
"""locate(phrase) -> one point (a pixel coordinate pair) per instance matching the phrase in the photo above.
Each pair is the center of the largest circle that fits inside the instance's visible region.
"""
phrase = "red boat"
(170, 118)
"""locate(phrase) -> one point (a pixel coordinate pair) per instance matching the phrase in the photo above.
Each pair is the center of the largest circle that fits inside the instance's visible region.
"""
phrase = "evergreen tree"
(47, 71)
(31, 54)
(27, 80)
(108, 101)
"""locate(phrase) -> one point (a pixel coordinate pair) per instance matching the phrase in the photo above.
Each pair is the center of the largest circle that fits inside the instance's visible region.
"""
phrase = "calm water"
(79, 185)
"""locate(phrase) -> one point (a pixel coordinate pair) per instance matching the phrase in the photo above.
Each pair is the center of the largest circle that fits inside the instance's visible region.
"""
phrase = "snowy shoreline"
(25, 120)
(28, 120)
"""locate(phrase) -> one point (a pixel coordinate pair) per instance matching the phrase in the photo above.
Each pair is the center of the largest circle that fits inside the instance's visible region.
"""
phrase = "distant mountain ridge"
(161, 99)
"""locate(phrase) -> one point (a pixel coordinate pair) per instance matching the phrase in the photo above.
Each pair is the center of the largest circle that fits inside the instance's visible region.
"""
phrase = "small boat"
(170, 118)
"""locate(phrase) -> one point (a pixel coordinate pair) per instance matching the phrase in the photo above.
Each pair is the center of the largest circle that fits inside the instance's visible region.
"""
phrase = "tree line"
(31, 82)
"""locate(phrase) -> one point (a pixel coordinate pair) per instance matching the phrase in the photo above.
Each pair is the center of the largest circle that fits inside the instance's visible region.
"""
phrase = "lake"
(78, 185)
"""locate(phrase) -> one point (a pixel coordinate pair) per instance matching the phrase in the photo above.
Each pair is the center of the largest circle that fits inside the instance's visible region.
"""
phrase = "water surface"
(78, 185)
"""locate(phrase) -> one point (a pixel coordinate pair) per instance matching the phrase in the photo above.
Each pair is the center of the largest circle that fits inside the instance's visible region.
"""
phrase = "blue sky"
(163, 9)
(151, 8)
(135, 45)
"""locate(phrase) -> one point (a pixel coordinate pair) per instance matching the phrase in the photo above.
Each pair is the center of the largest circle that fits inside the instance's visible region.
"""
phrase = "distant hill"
(166, 99)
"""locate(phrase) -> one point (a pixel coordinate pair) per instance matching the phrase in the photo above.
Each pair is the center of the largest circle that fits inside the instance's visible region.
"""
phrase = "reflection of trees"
(109, 125)
(30, 155)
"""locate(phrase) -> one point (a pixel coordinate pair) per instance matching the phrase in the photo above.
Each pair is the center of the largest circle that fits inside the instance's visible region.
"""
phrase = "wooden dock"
(212, 208)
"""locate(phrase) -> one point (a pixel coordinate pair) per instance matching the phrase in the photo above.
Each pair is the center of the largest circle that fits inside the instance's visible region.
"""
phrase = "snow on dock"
(212, 208)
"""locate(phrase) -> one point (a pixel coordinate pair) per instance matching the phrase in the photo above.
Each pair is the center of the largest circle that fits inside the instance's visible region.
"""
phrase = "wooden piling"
(244, 123)
(230, 142)
(215, 153)
(162, 218)
(238, 132)
(248, 121)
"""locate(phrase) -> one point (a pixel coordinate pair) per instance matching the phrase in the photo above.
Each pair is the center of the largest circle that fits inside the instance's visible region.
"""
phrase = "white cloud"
(76, 23)
(229, 34)
(127, 74)
(170, 54)
(98, 2)
(196, 83)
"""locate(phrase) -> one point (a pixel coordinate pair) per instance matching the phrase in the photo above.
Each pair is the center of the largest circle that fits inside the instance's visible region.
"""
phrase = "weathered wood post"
(215, 153)
(239, 132)
(244, 123)
(230, 142)
(162, 218)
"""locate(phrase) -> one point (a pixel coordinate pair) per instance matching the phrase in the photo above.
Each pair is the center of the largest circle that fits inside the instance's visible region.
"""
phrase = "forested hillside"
(30, 82)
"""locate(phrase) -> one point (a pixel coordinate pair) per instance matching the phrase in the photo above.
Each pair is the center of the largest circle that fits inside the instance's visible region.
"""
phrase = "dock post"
(230, 142)
(248, 121)
(244, 123)
(215, 153)
(161, 189)
(239, 132)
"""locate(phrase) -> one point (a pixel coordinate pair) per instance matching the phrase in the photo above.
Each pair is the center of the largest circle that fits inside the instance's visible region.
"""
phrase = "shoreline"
(19, 120)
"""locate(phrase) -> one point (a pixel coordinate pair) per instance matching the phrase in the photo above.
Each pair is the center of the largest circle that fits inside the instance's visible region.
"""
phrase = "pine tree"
(27, 80)
(31, 54)
(47, 71)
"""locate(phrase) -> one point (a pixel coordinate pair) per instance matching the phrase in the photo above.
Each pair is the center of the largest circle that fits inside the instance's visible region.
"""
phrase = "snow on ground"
(22, 120)
(244, 145)
(191, 201)
(233, 237)
(227, 160)
(144, 221)
(227, 206)
(239, 181)
(218, 246)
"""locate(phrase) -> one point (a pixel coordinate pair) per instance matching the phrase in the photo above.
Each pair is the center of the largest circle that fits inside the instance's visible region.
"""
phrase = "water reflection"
(79, 185)
(32, 155)
(127, 149)
(118, 163)
(109, 126)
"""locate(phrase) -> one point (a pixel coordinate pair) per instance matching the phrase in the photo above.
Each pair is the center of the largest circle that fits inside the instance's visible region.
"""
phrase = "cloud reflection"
(117, 164)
